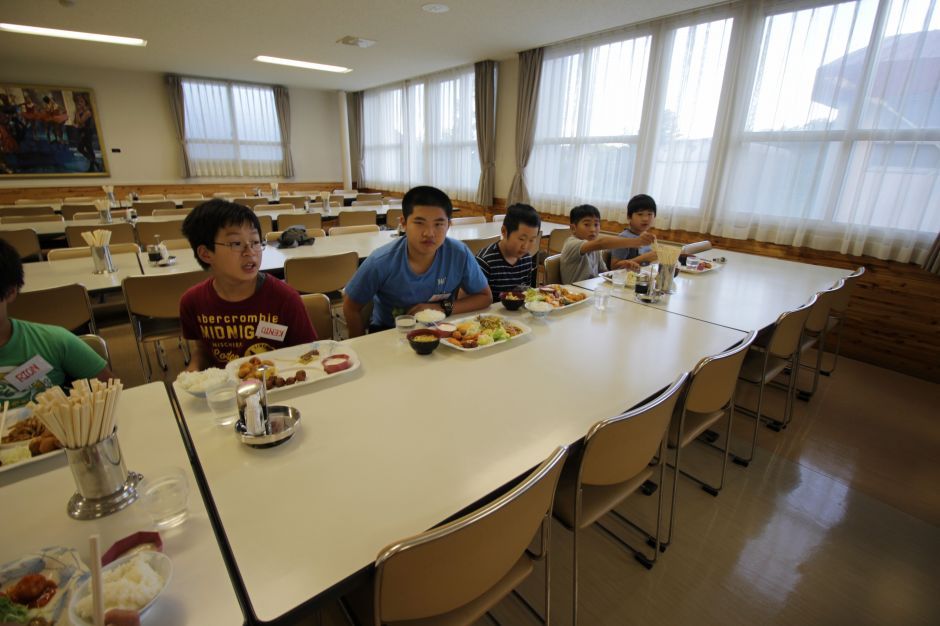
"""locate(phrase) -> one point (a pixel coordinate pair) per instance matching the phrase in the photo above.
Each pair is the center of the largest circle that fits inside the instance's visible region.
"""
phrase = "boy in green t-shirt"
(34, 357)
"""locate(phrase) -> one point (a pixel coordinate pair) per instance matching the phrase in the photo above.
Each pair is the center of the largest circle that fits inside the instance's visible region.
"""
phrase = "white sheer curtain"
(231, 129)
(422, 132)
(836, 145)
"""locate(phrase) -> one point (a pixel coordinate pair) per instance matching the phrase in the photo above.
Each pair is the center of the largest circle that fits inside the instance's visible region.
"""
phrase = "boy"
(507, 263)
(425, 269)
(641, 211)
(239, 310)
(35, 357)
(581, 255)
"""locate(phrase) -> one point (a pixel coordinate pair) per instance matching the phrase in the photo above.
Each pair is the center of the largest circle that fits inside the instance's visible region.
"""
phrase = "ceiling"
(220, 38)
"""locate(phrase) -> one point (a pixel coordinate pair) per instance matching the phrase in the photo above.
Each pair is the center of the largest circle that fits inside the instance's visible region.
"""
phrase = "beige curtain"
(356, 147)
(530, 74)
(175, 86)
(932, 264)
(282, 104)
(485, 93)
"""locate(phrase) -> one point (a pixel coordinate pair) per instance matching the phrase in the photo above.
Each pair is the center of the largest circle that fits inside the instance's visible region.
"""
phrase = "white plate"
(160, 562)
(285, 360)
(14, 416)
(686, 270)
(573, 304)
(61, 565)
(525, 331)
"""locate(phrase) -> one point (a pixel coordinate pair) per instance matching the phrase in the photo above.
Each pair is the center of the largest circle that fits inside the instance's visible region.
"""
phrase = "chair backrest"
(841, 302)
(284, 206)
(553, 269)
(25, 241)
(148, 231)
(295, 201)
(476, 245)
(85, 215)
(172, 212)
(444, 568)
(120, 233)
(26, 210)
(251, 201)
(392, 217)
(366, 203)
(193, 203)
(557, 239)
(321, 274)
(355, 218)
(351, 230)
(618, 448)
(307, 220)
(68, 211)
(818, 317)
(499, 218)
(158, 295)
(337, 200)
(99, 345)
(368, 196)
(177, 244)
(184, 196)
(152, 196)
(227, 195)
(147, 208)
(472, 219)
(713, 379)
(38, 201)
(67, 306)
(320, 312)
(26, 219)
(78, 252)
(785, 336)
(267, 224)
(81, 199)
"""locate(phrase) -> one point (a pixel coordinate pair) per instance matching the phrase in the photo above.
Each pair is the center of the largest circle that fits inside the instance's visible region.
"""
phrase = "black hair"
(203, 223)
(11, 270)
(425, 196)
(583, 210)
(641, 202)
(520, 214)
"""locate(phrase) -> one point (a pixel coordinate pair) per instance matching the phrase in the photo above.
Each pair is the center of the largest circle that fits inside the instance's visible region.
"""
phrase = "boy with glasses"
(239, 311)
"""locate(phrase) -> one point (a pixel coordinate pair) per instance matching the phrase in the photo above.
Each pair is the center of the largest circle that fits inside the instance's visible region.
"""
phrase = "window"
(423, 132)
(231, 129)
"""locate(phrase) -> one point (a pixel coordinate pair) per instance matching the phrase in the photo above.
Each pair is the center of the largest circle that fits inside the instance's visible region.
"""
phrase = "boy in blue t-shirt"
(422, 270)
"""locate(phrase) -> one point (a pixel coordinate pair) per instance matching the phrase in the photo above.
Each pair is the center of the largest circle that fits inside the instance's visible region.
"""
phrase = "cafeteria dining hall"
(418, 313)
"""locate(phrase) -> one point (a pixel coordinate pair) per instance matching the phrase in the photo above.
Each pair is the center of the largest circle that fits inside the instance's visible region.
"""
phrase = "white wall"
(134, 112)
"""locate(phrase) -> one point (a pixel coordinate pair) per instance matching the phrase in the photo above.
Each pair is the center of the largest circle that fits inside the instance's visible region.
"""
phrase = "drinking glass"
(221, 399)
(601, 296)
(619, 278)
(164, 494)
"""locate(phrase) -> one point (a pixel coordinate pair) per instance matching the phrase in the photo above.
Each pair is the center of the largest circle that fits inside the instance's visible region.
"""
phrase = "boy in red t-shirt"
(239, 311)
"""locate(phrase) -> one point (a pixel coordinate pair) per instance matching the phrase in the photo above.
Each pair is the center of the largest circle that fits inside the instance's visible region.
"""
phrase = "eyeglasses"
(239, 246)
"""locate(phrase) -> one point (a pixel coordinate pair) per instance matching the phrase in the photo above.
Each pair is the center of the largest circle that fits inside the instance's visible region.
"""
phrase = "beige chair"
(85, 215)
(150, 232)
(499, 218)
(79, 252)
(837, 314)
(362, 203)
(557, 239)
(814, 336)
(337, 201)
(153, 307)
(39, 201)
(23, 211)
(192, 204)
(81, 199)
(296, 201)
(320, 311)
(68, 211)
(307, 220)
(472, 219)
(26, 219)
(356, 218)
(251, 202)
(99, 345)
(392, 217)
(708, 397)
(336, 231)
(25, 241)
(152, 196)
(147, 208)
(455, 573)
(771, 355)
(227, 195)
(267, 224)
(120, 233)
(177, 244)
(618, 456)
(553, 270)
(342, 191)
(172, 212)
(274, 235)
(321, 274)
(365, 197)
(275, 207)
(67, 306)
(184, 196)
(476, 245)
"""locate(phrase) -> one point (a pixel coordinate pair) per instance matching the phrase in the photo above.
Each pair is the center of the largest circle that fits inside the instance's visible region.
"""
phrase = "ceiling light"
(358, 42)
(436, 8)
(71, 34)
(304, 64)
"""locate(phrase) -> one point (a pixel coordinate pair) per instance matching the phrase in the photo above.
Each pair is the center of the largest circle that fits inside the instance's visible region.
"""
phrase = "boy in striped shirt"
(508, 264)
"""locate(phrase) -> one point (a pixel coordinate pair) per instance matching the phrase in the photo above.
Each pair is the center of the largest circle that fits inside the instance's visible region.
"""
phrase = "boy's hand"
(647, 238)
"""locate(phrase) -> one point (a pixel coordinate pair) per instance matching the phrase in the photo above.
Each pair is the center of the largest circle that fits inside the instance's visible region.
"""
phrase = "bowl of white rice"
(132, 582)
(196, 383)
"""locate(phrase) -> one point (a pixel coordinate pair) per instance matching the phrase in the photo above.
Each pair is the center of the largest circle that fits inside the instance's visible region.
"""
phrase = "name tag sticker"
(439, 297)
(267, 330)
(33, 370)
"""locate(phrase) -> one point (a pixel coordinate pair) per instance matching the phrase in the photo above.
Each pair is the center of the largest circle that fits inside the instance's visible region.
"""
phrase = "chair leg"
(161, 355)
(835, 355)
(675, 488)
(574, 576)
(144, 360)
(742, 461)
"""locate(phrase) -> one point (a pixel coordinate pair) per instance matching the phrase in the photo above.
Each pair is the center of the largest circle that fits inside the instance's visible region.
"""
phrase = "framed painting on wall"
(49, 131)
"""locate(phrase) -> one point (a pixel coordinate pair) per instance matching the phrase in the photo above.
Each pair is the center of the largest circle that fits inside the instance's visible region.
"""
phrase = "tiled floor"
(835, 522)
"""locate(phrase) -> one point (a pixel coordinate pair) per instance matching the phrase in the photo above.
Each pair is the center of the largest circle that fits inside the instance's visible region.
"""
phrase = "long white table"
(34, 501)
(407, 441)
(48, 274)
(747, 293)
